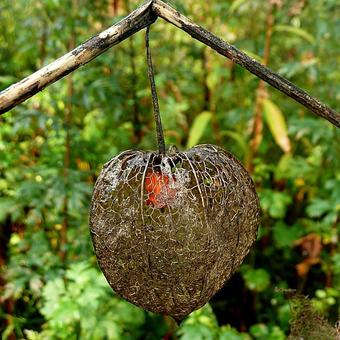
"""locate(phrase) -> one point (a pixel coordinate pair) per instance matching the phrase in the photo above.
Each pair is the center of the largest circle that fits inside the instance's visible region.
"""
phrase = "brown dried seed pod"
(169, 230)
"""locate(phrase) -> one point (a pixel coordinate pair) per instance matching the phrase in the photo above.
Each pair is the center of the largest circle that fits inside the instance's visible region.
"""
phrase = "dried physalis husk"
(169, 230)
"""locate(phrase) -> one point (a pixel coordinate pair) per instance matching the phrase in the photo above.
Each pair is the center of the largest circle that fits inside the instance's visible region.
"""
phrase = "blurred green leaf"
(7, 206)
(255, 279)
(274, 203)
(284, 235)
(235, 5)
(198, 127)
(296, 31)
(264, 332)
(238, 138)
(277, 124)
(200, 324)
(318, 207)
(229, 333)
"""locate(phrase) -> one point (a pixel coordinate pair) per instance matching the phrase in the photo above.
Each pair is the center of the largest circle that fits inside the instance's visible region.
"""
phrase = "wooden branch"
(138, 19)
(29, 86)
(222, 47)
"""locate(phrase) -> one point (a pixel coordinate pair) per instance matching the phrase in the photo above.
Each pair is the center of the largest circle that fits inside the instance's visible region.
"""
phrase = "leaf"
(277, 124)
(318, 207)
(7, 79)
(213, 79)
(201, 324)
(198, 127)
(237, 137)
(275, 203)
(236, 5)
(229, 333)
(295, 30)
(259, 330)
(255, 279)
(336, 263)
(310, 245)
(295, 168)
(263, 332)
(7, 206)
(284, 235)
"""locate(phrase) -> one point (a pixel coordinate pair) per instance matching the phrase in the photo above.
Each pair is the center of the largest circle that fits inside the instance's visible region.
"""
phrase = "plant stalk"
(157, 116)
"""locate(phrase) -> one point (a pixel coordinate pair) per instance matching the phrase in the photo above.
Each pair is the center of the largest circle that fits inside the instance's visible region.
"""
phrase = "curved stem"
(157, 116)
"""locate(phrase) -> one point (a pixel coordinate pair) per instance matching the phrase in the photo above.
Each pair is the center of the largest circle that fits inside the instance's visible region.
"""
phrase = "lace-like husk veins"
(170, 230)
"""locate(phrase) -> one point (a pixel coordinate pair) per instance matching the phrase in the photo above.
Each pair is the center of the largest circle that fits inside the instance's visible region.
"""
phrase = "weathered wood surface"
(222, 47)
(29, 86)
(138, 19)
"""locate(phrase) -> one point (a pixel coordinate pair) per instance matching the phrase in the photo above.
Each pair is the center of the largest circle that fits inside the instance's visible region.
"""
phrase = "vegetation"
(53, 146)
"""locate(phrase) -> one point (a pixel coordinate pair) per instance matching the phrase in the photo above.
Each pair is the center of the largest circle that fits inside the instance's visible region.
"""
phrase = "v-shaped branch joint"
(140, 18)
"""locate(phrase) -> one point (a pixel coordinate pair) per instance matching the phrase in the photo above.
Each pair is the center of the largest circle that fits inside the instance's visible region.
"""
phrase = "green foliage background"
(50, 285)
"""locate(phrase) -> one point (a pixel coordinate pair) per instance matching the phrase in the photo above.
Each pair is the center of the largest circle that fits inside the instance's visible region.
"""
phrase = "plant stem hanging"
(157, 116)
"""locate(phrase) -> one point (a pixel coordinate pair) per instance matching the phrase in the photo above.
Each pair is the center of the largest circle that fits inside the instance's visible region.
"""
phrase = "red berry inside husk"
(158, 188)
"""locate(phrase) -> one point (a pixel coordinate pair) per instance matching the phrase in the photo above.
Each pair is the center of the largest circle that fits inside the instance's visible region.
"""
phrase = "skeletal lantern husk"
(169, 230)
